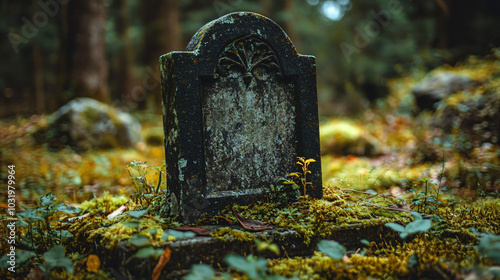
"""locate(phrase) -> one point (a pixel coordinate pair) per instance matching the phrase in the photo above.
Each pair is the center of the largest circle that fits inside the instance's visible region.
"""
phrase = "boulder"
(342, 137)
(471, 120)
(438, 86)
(85, 123)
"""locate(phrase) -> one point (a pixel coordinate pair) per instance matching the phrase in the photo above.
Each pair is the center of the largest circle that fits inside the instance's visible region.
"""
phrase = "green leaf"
(177, 234)
(200, 272)
(489, 246)
(395, 227)
(67, 209)
(48, 199)
(138, 213)
(31, 215)
(20, 221)
(416, 216)
(65, 234)
(131, 224)
(332, 249)
(371, 192)
(4, 261)
(403, 235)
(138, 240)
(23, 255)
(252, 267)
(418, 226)
(55, 257)
(413, 261)
(365, 242)
(148, 252)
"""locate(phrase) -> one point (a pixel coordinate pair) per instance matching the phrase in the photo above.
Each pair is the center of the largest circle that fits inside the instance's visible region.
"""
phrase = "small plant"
(300, 178)
(284, 193)
(418, 225)
(146, 193)
(42, 223)
(43, 234)
(426, 201)
(333, 249)
(56, 257)
(255, 268)
(489, 245)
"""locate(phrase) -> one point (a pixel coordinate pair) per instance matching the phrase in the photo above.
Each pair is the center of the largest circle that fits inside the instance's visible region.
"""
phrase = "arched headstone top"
(213, 39)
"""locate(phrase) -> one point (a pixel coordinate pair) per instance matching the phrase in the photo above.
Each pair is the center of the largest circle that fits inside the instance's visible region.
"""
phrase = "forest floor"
(392, 157)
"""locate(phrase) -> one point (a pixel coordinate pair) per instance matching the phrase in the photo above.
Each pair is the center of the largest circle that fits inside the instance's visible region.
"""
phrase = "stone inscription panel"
(249, 120)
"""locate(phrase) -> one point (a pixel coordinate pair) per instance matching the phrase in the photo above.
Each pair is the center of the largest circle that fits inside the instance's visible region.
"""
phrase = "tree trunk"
(38, 79)
(86, 63)
(122, 73)
(162, 35)
(38, 71)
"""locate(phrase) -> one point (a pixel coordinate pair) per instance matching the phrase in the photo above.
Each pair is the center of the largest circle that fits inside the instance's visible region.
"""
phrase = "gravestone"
(239, 107)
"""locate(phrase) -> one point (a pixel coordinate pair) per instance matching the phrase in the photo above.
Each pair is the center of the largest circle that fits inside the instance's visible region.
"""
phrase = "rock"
(438, 86)
(346, 138)
(85, 123)
(470, 121)
(153, 135)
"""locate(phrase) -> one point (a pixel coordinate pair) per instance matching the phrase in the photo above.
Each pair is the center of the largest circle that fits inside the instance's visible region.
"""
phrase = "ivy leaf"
(252, 267)
(66, 234)
(31, 215)
(177, 234)
(23, 255)
(365, 242)
(48, 199)
(138, 240)
(148, 252)
(200, 272)
(418, 226)
(131, 224)
(55, 257)
(332, 249)
(371, 192)
(395, 227)
(138, 213)
(67, 209)
(413, 261)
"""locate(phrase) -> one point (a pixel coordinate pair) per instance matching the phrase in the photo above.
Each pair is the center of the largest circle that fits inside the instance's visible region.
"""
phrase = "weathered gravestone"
(239, 107)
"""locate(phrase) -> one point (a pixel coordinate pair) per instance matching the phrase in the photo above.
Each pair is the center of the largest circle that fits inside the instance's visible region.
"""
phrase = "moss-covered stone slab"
(239, 106)
(211, 250)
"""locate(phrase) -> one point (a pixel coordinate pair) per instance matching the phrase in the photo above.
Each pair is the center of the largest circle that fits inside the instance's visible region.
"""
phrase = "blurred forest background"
(55, 50)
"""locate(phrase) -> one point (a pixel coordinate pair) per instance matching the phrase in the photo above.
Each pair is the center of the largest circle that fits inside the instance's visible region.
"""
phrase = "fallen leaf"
(230, 221)
(164, 258)
(4, 205)
(199, 231)
(93, 263)
(118, 211)
(250, 224)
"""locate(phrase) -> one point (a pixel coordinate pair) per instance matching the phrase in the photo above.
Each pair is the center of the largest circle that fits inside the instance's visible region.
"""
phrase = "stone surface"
(85, 123)
(438, 86)
(211, 251)
(239, 107)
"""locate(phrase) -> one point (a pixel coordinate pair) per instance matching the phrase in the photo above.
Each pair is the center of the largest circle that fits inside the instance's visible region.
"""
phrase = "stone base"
(210, 250)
